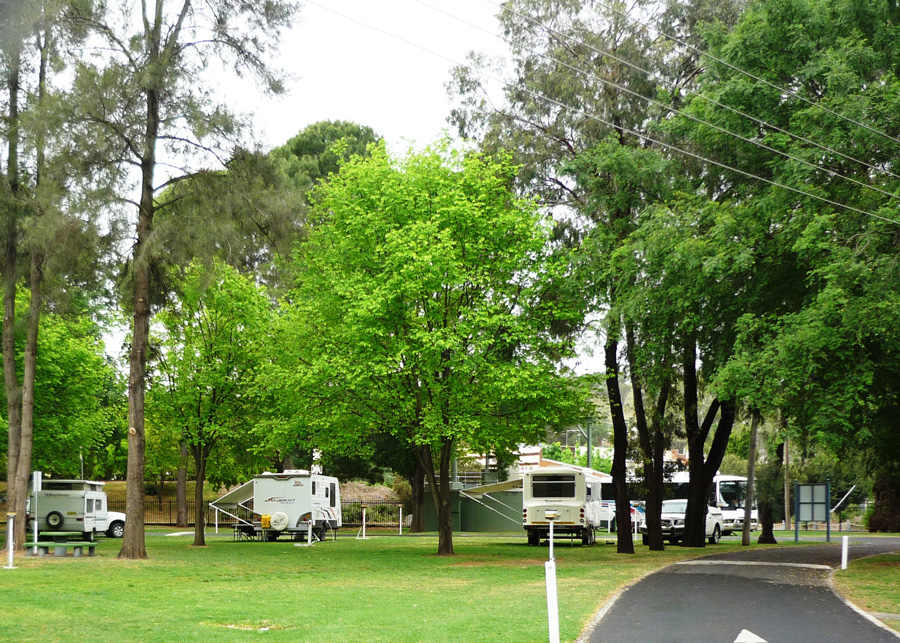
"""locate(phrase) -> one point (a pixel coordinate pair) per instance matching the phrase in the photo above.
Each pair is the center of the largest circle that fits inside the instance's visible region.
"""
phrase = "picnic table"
(61, 541)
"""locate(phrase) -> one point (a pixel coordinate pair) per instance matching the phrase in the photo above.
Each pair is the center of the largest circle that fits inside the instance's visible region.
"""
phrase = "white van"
(75, 505)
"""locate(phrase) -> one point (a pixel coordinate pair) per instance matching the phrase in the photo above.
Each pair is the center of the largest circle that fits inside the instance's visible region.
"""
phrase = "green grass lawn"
(387, 588)
(873, 584)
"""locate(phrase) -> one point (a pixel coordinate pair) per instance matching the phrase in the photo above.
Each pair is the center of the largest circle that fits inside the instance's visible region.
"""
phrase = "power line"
(781, 90)
(667, 108)
(607, 123)
(703, 97)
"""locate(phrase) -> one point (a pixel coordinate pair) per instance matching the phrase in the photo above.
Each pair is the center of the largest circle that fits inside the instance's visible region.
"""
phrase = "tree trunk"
(787, 484)
(439, 482)
(767, 524)
(886, 516)
(133, 544)
(418, 500)
(624, 541)
(652, 442)
(26, 443)
(751, 479)
(15, 496)
(181, 489)
(702, 467)
(200, 456)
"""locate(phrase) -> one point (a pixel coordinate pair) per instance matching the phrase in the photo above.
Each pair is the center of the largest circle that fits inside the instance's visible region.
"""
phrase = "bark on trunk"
(751, 479)
(417, 524)
(624, 541)
(787, 483)
(200, 456)
(439, 483)
(26, 443)
(133, 544)
(767, 524)
(653, 442)
(15, 496)
(702, 467)
(181, 489)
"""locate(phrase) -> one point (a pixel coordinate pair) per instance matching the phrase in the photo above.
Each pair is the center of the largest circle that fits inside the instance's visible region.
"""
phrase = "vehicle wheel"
(673, 541)
(116, 530)
(587, 536)
(613, 526)
(645, 539)
(533, 538)
(91, 536)
(716, 535)
(55, 520)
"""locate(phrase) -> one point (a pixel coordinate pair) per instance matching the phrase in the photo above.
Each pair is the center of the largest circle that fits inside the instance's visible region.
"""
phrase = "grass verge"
(872, 584)
(387, 588)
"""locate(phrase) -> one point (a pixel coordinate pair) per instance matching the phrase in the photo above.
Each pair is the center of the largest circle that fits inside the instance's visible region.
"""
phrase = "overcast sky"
(347, 67)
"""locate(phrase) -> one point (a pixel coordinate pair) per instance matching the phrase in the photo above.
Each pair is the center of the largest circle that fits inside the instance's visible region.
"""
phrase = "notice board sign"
(812, 503)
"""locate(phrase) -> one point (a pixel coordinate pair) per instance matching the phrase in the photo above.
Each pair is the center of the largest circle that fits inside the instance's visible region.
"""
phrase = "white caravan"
(75, 505)
(568, 492)
(284, 503)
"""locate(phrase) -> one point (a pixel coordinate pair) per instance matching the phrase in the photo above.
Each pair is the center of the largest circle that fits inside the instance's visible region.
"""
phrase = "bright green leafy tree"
(419, 311)
(207, 354)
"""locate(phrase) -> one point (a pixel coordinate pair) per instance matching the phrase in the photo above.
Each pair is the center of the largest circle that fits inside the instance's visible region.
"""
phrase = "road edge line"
(857, 609)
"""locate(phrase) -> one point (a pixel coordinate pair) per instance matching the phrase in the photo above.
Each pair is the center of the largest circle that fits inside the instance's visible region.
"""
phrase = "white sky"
(347, 67)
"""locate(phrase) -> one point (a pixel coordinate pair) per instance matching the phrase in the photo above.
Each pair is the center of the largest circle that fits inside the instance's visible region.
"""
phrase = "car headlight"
(679, 523)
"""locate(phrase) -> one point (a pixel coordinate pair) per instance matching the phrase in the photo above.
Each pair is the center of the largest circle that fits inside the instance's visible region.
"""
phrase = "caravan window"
(332, 495)
(553, 486)
(314, 487)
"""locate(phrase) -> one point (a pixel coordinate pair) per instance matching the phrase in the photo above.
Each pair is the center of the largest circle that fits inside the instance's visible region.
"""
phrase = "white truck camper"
(571, 494)
(74, 505)
(272, 504)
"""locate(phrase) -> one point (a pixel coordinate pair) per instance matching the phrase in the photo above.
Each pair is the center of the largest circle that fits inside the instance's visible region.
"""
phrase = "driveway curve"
(748, 596)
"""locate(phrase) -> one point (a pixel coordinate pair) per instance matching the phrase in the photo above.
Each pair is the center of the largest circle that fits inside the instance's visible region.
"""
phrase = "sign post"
(36, 484)
(550, 574)
(10, 536)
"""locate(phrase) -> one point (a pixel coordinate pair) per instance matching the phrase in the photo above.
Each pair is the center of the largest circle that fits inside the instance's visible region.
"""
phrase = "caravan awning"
(235, 497)
(493, 488)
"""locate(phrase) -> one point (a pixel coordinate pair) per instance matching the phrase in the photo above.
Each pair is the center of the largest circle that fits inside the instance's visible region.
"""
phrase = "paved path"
(777, 595)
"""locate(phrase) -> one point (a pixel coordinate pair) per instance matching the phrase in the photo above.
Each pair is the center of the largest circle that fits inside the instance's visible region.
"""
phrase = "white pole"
(364, 522)
(844, 541)
(217, 519)
(309, 530)
(551, 541)
(552, 602)
(36, 483)
(10, 537)
(401, 521)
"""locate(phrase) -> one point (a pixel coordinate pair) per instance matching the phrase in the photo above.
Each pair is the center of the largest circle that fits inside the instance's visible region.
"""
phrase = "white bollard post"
(401, 521)
(309, 530)
(551, 540)
(552, 601)
(844, 541)
(10, 537)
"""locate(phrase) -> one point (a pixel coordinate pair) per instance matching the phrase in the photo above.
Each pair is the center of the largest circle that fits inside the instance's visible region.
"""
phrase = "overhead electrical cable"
(688, 92)
(652, 101)
(749, 74)
(628, 130)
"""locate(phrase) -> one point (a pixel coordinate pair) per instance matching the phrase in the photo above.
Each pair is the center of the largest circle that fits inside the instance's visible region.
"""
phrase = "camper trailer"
(288, 503)
(75, 505)
(570, 494)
